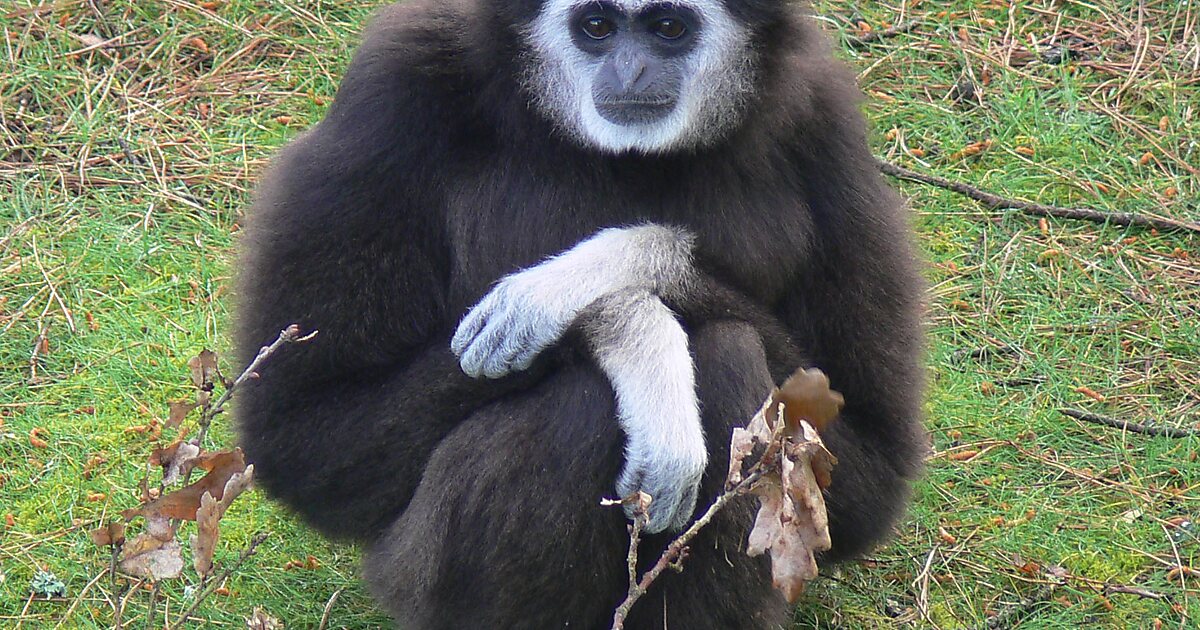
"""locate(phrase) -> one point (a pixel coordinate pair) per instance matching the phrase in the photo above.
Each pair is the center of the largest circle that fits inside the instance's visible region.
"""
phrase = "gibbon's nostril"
(629, 69)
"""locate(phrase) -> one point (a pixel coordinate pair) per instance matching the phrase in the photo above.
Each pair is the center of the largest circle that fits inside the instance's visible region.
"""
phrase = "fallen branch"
(855, 41)
(791, 467)
(996, 202)
(1109, 589)
(1126, 425)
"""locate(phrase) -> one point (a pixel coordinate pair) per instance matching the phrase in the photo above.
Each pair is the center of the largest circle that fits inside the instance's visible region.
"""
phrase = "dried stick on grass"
(855, 41)
(288, 335)
(329, 609)
(1126, 425)
(996, 202)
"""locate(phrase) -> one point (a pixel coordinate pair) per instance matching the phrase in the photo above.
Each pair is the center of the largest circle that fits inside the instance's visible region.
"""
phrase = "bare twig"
(985, 352)
(923, 584)
(1132, 590)
(128, 590)
(288, 335)
(997, 202)
(153, 607)
(855, 41)
(1126, 425)
(675, 552)
(35, 357)
(329, 609)
(250, 550)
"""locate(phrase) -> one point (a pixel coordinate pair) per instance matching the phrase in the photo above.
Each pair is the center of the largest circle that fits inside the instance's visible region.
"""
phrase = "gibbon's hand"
(511, 325)
(642, 348)
(528, 311)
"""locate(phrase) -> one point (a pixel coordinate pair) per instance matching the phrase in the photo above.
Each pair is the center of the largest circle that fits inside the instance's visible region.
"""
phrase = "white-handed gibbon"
(556, 250)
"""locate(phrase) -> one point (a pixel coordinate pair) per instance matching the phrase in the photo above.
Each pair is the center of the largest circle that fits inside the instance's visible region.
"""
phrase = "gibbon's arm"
(643, 350)
(528, 311)
(612, 281)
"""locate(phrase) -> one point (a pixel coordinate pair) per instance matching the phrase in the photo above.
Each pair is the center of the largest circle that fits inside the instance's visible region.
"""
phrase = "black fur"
(430, 178)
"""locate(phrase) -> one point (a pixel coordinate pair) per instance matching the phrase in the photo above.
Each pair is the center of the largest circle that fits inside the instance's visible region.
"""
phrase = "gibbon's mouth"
(633, 112)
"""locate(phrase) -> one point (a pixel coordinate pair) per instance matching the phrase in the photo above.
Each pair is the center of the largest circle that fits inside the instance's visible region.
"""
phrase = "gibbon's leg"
(506, 529)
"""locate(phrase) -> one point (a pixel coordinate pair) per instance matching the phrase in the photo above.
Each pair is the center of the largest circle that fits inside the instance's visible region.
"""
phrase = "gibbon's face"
(640, 75)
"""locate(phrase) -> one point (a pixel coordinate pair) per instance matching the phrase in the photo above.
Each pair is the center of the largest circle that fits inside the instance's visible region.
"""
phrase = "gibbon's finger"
(476, 355)
(500, 360)
(471, 324)
(686, 507)
(525, 358)
(673, 505)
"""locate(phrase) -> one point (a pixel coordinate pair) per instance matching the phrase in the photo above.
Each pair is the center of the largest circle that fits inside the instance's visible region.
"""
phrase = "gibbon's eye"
(597, 27)
(669, 28)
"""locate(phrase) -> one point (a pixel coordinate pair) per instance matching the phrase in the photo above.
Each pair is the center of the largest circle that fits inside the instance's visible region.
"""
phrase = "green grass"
(120, 257)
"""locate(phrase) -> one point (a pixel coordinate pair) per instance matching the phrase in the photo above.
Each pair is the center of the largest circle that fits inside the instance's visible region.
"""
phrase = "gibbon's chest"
(752, 228)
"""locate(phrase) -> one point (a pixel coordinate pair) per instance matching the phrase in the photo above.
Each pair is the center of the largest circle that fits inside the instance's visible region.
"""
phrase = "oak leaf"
(204, 368)
(112, 534)
(176, 460)
(792, 523)
(183, 503)
(179, 411)
(149, 557)
(208, 518)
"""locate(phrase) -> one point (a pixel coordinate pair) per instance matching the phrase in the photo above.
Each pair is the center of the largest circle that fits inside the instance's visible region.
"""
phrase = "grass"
(124, 169)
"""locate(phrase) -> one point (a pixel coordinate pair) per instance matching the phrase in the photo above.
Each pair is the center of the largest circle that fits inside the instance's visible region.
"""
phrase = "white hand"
(511, 325)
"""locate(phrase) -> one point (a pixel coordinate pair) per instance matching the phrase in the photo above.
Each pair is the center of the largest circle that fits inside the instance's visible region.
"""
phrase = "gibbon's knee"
(871, 484)
(506, 529)
(732, 374)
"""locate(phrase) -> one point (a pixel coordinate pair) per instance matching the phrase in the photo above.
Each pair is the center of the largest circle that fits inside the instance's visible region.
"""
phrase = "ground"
(132, 132)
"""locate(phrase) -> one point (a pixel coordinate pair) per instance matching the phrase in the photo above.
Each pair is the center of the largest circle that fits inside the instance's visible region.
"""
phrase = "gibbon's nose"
(625, 72)
(630, 68)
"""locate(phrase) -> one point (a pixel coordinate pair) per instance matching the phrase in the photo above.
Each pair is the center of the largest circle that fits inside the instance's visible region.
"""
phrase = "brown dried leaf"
(91, 40)
(262, 621)
(792, 522)
(741, 446)
(149, 557)
(806, 396)
(109, 535)
(204, 367)
(208, 518)
(179, 411)
(35, 439)
(183, 503)
(176, 460)
(204, 543)
(963, 456)
(160, 527)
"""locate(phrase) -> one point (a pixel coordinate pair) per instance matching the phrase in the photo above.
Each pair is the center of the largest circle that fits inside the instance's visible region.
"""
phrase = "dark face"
(642, 54)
